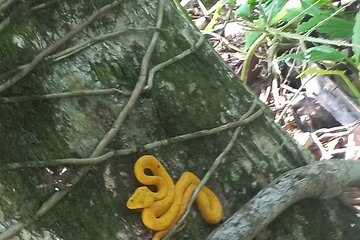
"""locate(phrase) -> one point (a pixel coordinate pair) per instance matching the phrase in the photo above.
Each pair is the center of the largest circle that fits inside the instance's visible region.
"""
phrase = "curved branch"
(107, 138)
(244, 120)
(81, 93)
(325, 179)
(27, 68)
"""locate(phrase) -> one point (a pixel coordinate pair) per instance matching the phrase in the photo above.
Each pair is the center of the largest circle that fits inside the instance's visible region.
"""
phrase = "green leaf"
(319, 53)
(271, 8)
(316, 9)
(250, 39)
(333, 27)
(243, 10)
(323, 52)
(306, 26)
(291, 9)
(356, 39)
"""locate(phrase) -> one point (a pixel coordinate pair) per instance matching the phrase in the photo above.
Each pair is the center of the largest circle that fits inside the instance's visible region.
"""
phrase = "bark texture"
(195, 93)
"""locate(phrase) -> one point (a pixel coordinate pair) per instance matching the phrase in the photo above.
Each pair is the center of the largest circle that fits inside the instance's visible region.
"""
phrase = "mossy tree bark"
(195, 93)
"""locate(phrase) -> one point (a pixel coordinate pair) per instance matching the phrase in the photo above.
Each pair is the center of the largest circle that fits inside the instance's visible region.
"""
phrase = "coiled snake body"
(162, 208)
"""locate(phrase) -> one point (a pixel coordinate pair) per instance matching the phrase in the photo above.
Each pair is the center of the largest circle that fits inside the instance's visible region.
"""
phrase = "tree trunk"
(195, 93)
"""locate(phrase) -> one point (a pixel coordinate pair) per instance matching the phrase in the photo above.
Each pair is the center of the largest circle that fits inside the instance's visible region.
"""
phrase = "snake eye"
(148, 172)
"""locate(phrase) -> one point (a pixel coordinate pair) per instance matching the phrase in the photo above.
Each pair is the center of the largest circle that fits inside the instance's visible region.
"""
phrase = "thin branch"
(56, 197)
(224, 40)
(5, 4)
(79, 47)
(4, 23)
(7, 20)
(64, 161)
(171, 61)
(126, 151)
(27, 68)
(81, 93)
(288, 105)
(247, 118)
(137, 90)
(320, 179)
(43, 5)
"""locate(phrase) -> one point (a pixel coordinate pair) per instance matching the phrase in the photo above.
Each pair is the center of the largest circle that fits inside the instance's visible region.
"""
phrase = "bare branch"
(323, 179)
(4, 23)
(248, 117)
(82, 93)
(44, 5)
(5, 4)
(121, 152)
(79, 47)
(171, 61)
(56, 197)
(27, 68)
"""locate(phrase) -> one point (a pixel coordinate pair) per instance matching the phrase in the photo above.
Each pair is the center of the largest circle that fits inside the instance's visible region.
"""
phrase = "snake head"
(141, 198)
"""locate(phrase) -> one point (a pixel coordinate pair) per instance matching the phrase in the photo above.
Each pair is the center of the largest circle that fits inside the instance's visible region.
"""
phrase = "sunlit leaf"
(291, 9)
(334, 27)
(243, 10)
(356, 38)
(319, 53)
(250, 39)
(323, 52)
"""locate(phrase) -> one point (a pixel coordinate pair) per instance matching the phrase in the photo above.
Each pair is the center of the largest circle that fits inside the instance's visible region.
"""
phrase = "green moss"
(120, 72)
(31, 135)
(102, 71)
(22, 196)
(101, 210)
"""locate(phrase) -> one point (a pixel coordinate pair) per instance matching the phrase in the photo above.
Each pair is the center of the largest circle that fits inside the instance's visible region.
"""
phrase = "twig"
(338, 128)
(324, 153)
(288, 105)
(82, 93)
(171, 61)
(65, 161)
(224, 40)
(127, 151)
(7, 20)
(310, 181)
(79, 47)
(107, 138)
(286, 79)
(4, 23)
(5, 4)
(247, 118)
(43, 5)
(27, 68)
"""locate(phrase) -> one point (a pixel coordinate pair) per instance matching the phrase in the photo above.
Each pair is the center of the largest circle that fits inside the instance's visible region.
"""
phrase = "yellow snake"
(162, 208)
